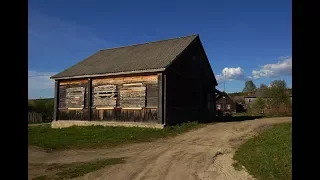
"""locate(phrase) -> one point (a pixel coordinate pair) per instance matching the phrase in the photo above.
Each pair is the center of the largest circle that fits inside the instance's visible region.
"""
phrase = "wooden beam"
(75, 108)
(160, 97)
(89, 98)
(56, 100)
(164, 99)
(133, 108)
(104, 108)
(129, 73)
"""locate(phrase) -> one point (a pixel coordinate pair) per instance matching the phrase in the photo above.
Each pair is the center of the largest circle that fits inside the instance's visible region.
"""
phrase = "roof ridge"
(150, 42)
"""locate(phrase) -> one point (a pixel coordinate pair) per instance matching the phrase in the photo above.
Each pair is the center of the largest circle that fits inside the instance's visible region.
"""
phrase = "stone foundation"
(69, 123)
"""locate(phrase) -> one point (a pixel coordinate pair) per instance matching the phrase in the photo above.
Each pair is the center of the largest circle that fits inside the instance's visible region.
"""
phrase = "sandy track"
(205, 153)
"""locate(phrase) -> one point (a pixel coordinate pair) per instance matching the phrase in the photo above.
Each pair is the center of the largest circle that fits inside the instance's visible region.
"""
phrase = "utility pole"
(225, 77)
(224, 90)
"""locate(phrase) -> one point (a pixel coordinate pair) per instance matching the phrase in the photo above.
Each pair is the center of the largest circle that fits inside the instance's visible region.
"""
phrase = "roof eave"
(110, 74)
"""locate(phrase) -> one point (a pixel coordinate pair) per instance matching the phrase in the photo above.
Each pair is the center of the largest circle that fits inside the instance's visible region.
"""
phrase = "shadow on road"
(235, 118)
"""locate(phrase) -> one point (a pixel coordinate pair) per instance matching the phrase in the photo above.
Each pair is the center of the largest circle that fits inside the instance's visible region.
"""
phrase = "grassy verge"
(67, 171)
(257, 114)
(268, 155)
(96, 136)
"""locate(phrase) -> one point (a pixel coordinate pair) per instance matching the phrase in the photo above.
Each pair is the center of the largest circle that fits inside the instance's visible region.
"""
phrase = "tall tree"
(249, 86)
(281, 84)
(263, 86)
(262, 90)
(277, 91)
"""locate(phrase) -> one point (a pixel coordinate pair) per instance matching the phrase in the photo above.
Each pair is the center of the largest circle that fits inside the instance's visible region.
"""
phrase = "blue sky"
(246, 39)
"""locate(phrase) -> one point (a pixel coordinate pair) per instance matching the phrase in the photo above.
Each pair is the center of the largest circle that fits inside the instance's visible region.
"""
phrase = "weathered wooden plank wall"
(129, 99)
(73, 94)
(132, 95)
(80, 115)
(75, 97)
(152, 95)
(105, 95)
(126, 115)
(126, 92)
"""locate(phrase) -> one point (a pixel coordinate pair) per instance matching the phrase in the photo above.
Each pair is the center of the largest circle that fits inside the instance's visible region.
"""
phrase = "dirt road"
(205, 153)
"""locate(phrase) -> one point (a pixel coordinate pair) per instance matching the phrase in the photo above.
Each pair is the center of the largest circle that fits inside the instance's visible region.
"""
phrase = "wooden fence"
(34, 117)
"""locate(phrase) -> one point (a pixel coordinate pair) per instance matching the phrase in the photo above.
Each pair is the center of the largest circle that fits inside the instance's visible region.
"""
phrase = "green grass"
(268, 155)
(34, 122)
(45, 177)
(257, 114)
(67, 171)
(96, 136)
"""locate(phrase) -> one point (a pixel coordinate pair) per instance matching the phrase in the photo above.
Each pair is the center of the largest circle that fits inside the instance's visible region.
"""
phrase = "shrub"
(281, 110)
(259, 105)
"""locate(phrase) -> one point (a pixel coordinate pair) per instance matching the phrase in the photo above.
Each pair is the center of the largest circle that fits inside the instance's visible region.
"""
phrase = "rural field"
(189, 152)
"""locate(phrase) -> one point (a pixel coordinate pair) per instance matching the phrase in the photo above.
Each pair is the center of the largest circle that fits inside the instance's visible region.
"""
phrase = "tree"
(262, 90)
(31, 106)
(279, 84)
(41, 105)
(259, 104)
(277, 93)
(249, 86)
(263, 86)
(49, 106)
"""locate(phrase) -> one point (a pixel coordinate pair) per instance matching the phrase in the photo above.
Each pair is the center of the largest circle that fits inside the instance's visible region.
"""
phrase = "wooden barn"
(159, 83)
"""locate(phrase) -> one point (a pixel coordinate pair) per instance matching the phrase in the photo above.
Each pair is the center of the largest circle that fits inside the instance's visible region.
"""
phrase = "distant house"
(252, 97)
(228, 104)
(157, 83)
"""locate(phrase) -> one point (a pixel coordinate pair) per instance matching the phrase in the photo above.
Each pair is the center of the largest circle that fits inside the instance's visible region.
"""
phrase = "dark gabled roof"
(237, 98)
(221, 94)
(147, 57)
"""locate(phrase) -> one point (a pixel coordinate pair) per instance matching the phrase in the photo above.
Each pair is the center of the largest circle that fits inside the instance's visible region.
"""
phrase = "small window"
(133, 95)
(105, 96)
(219, 106)
(228, 106)
(249, 100)
(75, 97)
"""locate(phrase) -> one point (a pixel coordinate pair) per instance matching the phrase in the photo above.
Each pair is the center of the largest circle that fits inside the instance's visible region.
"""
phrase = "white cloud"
(232, 74)
(282, 68)
(40, 84)
(219, 78)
